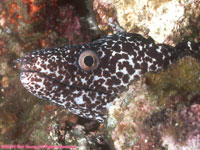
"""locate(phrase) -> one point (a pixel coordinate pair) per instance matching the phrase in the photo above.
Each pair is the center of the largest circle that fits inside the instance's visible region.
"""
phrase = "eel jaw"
(71, 98)
(85, 103)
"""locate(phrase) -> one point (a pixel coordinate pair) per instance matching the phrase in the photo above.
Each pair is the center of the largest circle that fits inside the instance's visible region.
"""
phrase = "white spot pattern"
(54, 74)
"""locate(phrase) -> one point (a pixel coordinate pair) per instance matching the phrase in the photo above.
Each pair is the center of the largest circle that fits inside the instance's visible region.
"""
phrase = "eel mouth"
(77, 100)
(36, 82)
(27, 73)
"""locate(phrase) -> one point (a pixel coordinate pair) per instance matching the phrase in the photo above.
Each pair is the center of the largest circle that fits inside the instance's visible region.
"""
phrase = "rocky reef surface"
(161, 111)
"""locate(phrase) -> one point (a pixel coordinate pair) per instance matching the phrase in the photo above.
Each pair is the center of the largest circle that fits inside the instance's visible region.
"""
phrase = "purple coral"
(186, 133)
(190, 118)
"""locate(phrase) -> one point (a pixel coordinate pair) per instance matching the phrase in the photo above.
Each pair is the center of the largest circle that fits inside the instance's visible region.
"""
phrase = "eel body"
(57, 75)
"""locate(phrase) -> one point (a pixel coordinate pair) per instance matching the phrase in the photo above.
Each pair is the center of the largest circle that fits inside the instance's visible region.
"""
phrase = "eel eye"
(88, 60)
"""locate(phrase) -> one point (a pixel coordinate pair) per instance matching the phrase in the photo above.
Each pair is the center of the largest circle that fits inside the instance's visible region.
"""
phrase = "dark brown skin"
(88, 87)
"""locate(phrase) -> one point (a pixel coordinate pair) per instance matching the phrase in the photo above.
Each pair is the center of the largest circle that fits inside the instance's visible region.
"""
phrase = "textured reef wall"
(159, 111)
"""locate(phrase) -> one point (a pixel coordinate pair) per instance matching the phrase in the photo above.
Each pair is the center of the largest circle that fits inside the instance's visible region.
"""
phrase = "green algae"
(153, 108)
(181, 78)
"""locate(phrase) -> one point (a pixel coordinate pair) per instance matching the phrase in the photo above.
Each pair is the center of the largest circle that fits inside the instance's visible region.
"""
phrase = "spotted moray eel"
(85, 79)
